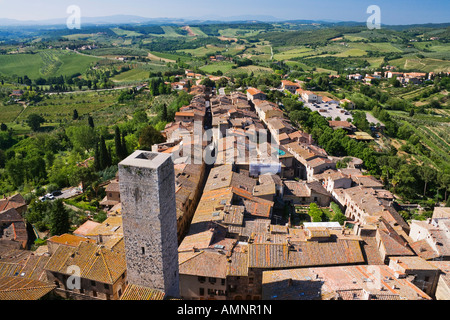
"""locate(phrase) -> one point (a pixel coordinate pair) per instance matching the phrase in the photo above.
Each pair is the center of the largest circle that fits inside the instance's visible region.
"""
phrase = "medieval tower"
(147, 192)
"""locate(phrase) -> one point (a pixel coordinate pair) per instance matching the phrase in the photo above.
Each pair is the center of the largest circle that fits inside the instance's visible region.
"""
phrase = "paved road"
(68, 193)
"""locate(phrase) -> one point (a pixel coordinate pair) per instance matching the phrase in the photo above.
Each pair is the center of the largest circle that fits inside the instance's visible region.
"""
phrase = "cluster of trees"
(158, 87)
(318, 215)
(52, 216)
(162, 44)
(413, 181)
(314, 37)
(391, 125)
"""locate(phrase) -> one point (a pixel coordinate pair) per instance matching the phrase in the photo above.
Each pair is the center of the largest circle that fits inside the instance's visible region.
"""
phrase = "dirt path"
(189, 30)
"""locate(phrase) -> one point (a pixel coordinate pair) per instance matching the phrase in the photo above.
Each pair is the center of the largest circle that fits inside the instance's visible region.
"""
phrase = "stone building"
(147, 189)
(88, 271)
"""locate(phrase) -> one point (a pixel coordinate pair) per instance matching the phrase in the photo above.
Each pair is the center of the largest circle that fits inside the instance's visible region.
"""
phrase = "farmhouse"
(253, 93)
(289, 86)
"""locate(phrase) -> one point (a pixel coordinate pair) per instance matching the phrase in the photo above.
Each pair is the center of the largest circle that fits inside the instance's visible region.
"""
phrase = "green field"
(170, 32)
(59, 107)
(434, 133)
(293, 53)
(198, 32)
(202, 51)
(424, 65)
(44, 64)
(351, 53)
(257, 70)
(171, 57)
(8, 113)
(126, 33)
(223, 66)
(136, 74)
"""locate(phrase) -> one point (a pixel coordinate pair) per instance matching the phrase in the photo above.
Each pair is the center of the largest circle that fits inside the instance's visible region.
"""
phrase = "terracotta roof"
(69, 239)
(206, 264)
(185, 114)
(18, 288)
(339, 282)
(237, 264)
(289, 83)
(441, 212)
(14, 201)
(304, 254)
(95, 262)
(253, 91)
(86, 228)
(135, 292)
(111, 226)
(113, 186)
(340, 124)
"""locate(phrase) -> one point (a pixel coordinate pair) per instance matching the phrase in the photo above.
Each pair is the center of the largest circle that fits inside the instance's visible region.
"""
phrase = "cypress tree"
(109, 159)
(124, 148)
(91, 122)
(97, 166)
(60, 223)
(118, 143)
(103, 154)
(164, 115)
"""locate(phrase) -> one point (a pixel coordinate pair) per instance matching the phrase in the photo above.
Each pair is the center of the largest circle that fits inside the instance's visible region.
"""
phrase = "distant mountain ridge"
(133, 19)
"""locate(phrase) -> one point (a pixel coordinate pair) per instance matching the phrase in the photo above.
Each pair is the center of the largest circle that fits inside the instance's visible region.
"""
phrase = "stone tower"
(147, 193)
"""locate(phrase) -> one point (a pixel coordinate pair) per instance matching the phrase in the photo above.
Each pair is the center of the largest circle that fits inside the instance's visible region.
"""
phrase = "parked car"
(49, 196)
(56, 193)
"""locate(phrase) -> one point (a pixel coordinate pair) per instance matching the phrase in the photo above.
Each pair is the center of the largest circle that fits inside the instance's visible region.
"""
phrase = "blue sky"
(392, 11)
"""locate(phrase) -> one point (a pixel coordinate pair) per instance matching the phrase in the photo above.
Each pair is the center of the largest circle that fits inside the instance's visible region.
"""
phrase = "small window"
(93, 283)
(143, 250)
(202, 291)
